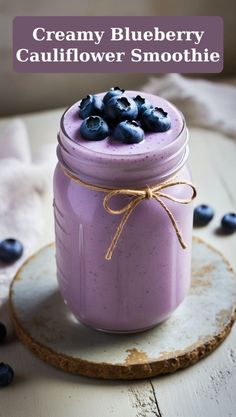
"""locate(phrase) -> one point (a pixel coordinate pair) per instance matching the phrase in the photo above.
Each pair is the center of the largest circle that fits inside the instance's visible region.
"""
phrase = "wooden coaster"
(45, 325)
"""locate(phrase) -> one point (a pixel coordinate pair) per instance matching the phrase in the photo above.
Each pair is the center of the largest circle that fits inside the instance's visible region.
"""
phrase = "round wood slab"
(45, 325)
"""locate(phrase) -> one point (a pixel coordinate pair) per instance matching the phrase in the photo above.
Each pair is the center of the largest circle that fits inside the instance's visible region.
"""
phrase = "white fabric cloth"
(203, 103)
(24, 180)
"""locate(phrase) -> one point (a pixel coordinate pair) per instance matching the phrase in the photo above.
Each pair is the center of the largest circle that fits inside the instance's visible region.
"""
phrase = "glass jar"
(148, 274)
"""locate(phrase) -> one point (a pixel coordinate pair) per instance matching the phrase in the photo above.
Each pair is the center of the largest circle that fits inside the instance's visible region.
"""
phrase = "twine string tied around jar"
(137, 196)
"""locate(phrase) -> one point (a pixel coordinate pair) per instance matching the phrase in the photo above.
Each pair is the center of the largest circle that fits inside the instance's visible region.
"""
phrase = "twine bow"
(138, 195)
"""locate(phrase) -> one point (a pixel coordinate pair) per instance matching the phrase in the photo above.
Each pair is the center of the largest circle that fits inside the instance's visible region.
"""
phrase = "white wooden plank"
(215, 186)
(42, 390)
(206, 389)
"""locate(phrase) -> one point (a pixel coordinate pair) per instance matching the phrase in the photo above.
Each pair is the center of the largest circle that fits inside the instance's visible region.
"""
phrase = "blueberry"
(3, 332)
(10, 250)
(90, 106)
(94, 128)
(6, 374)
(228, 222)
(155, 120)
(121, 108)
(113, 92)
(202, 215)
(128, 132)
(142, 104)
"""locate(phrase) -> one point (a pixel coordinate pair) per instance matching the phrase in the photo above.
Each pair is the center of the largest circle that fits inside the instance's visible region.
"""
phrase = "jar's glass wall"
(149, 273)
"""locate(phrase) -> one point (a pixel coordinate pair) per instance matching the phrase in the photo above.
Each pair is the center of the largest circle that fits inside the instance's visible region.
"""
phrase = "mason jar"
(148, 273)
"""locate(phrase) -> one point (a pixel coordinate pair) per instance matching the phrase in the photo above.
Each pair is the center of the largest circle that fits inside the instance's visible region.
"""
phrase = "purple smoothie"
(149, 273)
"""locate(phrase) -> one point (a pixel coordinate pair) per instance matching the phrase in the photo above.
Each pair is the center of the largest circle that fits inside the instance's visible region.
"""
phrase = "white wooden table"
(208, 389)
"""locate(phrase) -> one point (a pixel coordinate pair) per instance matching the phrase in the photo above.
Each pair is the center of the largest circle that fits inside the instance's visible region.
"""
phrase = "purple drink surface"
(151, 142)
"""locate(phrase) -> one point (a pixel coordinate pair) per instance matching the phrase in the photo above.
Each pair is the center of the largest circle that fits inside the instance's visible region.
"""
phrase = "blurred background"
(23, 93)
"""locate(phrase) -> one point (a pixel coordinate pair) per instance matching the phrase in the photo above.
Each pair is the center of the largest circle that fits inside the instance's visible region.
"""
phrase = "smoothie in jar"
(147, 274)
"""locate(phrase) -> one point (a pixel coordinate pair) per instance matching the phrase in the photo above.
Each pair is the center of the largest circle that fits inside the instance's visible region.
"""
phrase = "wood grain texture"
(206, 389)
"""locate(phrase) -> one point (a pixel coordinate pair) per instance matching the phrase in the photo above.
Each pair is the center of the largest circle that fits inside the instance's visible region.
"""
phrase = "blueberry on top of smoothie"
(121, 108)
(142, 104)
(113, 92)
(94, 128)
(90, 106)
(156, 120)
(104, 116)
(128, 131)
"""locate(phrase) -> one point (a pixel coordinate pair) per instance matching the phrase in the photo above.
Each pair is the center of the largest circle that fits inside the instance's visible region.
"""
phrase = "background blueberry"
(121, 108)
(10, 250)
(228, 222)
(128, 132)
(6, 374)
(155, 120)
(113, 92)
(202, 215)
(90, 106)
(94, 128)
(3, 332)
(142, 103)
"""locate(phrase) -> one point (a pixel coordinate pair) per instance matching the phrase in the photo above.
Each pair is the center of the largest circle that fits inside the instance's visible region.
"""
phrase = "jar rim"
(131, 169)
